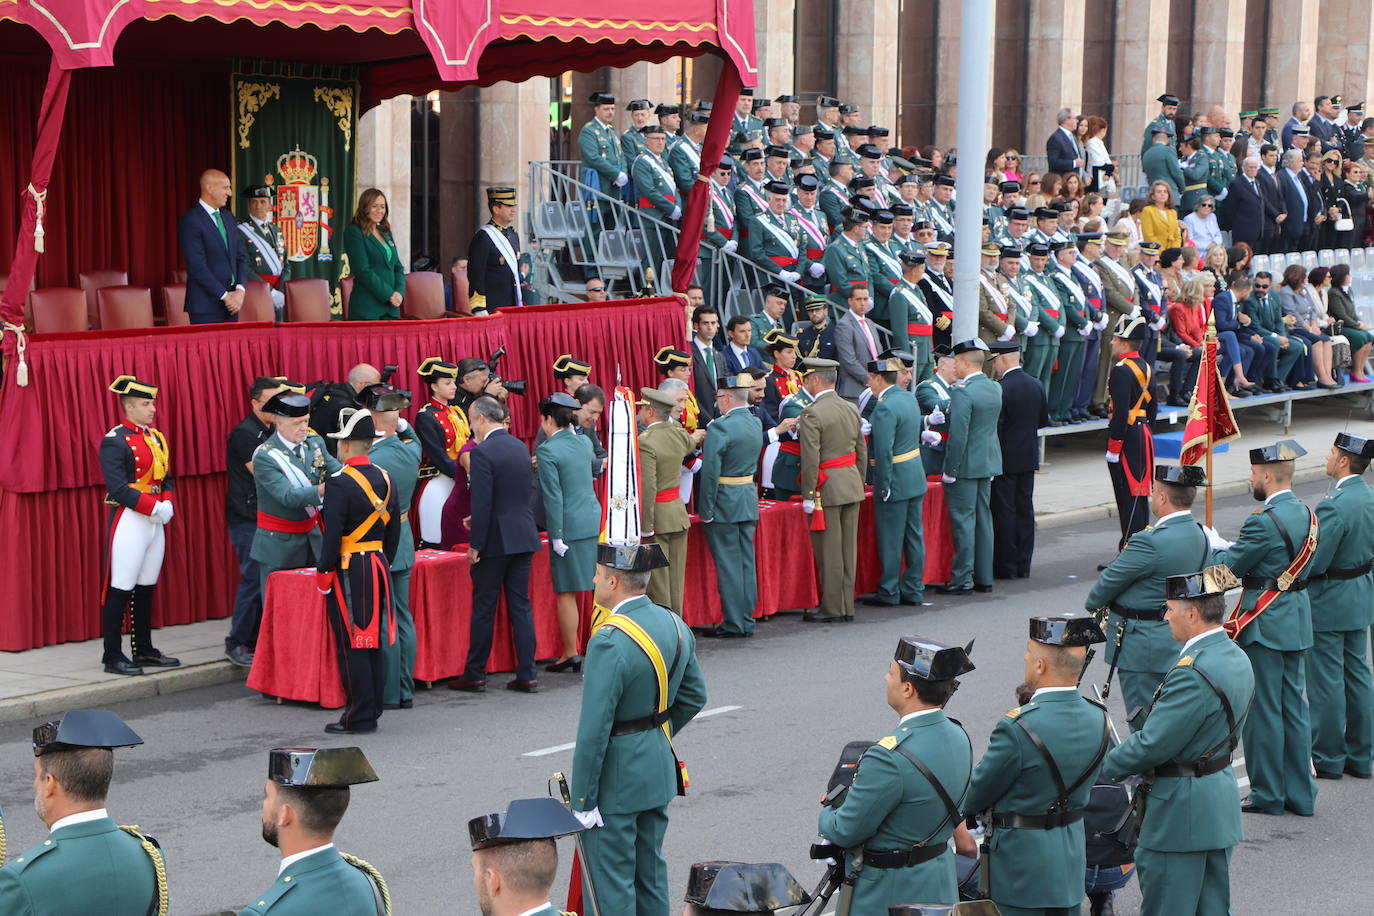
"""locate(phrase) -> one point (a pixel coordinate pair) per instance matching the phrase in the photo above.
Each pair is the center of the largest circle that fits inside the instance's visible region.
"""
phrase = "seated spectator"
(1072, 187)
(1202, 224)
(1012, 171)
(1340, 306)
(1091, 207)
(596, 290)
(1301, 315)
(1215, 260)
(1159, 220)
(1129, 223)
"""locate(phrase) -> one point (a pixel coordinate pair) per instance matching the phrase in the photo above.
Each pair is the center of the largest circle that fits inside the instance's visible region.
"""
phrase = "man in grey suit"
(857, 342)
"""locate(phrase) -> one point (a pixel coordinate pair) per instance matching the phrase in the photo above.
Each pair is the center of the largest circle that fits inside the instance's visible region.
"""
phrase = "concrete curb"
(105, 693)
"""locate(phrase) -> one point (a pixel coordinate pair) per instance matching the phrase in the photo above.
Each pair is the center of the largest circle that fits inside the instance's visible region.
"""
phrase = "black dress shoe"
(523, 686)
(155, 659)
(809, 617)
(404, 704)
(878, 602)
(338, 728)
(1250, 807)
(462, 683)
(982, 589)
(122, 666)
(954, 590)
(1101, 904)
(239, 656)
(1324, 775)
(572, 663)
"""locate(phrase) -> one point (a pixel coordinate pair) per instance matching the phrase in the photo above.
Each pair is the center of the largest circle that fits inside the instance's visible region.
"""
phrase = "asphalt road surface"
(781, 707)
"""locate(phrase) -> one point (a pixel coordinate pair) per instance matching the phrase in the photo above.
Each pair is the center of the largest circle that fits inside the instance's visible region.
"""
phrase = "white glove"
(930, 437)
(887, 494)
(829, 862)
(559, 547)
(730, 245)
(935, 417)
(1086, 331)
(865, 427)
(162, 513)
(816, 270)
(676, 214)
(1159, 325)
(791, 276)
(402, 424)
(1059, 332)
(1101, 323)
(590, 818)
(946, 478)
(620, 180)
(808, 506)
(1008, 334)
(1216, 540)
(1113, 457)
(1135, 313)
(1032, 328)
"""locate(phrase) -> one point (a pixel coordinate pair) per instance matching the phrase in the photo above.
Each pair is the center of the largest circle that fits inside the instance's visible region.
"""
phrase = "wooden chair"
(307, 299)
(124, 307)
(345, 290)
(458, 276)
(92, 280)
(257, 301)
(58, 309)
(174, 304)
(424, 297)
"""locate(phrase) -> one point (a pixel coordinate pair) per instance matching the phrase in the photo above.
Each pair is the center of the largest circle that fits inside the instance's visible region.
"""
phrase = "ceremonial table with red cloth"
(295, 657)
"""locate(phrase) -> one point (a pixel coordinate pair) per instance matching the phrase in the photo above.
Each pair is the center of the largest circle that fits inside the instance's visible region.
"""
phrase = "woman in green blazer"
(379, 280)
(1340, 305)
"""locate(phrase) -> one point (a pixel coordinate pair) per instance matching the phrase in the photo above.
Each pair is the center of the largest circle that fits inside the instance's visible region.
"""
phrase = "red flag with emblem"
(1210, 420)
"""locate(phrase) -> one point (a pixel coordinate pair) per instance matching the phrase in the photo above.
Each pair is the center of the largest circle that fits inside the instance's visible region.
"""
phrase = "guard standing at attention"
(306, 796)
(86, 864)
(972, 458)
(362, 526)
(899, 486)
(1189, 817)
(515, 856)
(494, 256)
(1163, 123)
(833, 452)
(663, 447)
(1034, 780)
(642, 686)
(728, 503)
(896, 819)
(1273, 624)
(1342, 595)
(443, 430)
(1130, 589)
(1130, 445)
(932, 395)
(135, 462)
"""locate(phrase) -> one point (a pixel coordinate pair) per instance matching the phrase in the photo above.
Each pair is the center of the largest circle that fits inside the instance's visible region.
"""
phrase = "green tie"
(224, 237)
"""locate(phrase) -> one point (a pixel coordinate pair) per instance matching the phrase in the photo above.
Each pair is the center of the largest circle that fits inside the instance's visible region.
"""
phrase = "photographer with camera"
(477, 377)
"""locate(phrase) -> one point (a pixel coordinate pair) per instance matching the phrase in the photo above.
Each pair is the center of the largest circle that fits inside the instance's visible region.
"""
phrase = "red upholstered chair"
(28, 301)
(92, 280)
(345, 290)
(458, 275)
(257, 301)
(174, 304)
(424, 296)
(58, 309)
(124, 307)
(307, 299)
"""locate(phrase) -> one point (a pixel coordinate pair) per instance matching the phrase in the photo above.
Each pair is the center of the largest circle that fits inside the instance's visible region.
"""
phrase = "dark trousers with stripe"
(361, 593)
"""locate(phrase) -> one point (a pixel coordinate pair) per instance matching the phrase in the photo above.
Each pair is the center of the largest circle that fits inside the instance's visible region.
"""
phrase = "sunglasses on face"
(1332, 161)
(596, 289)
(1204, 206)
(1013, 158)
(1261, 289)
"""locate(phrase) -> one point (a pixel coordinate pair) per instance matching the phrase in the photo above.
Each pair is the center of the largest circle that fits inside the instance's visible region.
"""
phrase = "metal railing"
(1129, 177)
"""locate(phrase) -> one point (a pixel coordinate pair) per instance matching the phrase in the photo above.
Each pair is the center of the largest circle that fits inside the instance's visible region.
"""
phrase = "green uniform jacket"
(1189, 814)
(932, 394)
(1222, 171)
(829, 428)
(92, 867)
(1168, 125)
(571, 512)
(1046, 298)
(723, 213)
(845, 262)
(654, 185)
(1259, 550)
(634, 772)
(884, 275)
(891, 806)
(787, 467)
(759, 325)
(1160, 163)
(377, 274)
(1013, 778)
(731, 449)
(685, 160)
(599, 148)
(832, 199)
(765, 244)
(975, 403)
(631, 145)
(1135, 580)
(1346, 515)
(399, 456)
(1073, 304)
(1195, 169)
(662, 449)
(750, 201)
(896, 424)
(319, 883)
(285, 498)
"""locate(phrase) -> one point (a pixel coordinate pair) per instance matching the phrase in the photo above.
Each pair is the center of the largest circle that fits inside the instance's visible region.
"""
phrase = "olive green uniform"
(571, 511)
(829, 430)
(933, 394)
(787, 463)
(1042, 350)
(287, 479)
(972, 457)
(1119, 292)
(322, 882)
(728, 504)
(399, 456)
(899, 489)
(89, 867)
(663, 446)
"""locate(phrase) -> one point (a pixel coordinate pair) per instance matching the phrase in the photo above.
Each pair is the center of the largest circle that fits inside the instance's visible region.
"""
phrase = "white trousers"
(432, 499)
(135, 550)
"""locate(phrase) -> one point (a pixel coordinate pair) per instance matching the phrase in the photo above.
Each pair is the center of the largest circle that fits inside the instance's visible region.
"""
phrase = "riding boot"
(1100, 904)
(112, 624)
(141, 642)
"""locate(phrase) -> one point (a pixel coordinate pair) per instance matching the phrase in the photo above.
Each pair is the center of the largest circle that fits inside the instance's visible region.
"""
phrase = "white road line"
(559, 748)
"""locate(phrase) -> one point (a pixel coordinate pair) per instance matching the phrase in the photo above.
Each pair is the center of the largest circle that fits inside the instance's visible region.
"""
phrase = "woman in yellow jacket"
(1159, 220)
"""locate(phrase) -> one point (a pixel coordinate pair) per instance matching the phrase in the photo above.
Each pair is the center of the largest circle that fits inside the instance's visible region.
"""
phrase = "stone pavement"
(1071, 487)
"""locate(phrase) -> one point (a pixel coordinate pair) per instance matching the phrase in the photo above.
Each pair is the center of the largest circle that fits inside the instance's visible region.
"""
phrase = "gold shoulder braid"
(3, 842)
(159, 866)
(376, 876)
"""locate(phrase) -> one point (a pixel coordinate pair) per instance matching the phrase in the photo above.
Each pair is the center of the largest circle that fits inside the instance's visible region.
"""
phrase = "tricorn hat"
(319, 768)
(436, 368)
(130, 387)
(1214, 580)
(287, 404)
(1283, 450)
(355, 426)
(567, 365)
(631, 557)
(736, 887)
(930, 660)
(1183, 475)
(1066, 630)
(1362, 448)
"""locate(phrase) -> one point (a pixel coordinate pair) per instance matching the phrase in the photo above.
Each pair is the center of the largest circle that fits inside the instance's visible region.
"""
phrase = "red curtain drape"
(717, 135)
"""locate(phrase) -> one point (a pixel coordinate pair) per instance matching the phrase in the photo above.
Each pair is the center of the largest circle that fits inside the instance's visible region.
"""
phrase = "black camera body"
(514, 386)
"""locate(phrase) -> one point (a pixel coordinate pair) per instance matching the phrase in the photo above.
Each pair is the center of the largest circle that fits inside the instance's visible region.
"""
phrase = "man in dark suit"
(504, 540)
(215, 253)
(1025, 409)
(1246, 210)
(1267, 179)
(1300, 206)
(707, 363)
(1062, 147)
(737, 352)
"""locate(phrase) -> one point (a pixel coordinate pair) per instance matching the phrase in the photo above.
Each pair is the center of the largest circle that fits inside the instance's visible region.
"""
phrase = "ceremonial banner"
(295, 128)
(1210, 420)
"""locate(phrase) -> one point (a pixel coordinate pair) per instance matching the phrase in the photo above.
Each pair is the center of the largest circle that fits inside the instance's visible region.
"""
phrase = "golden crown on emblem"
(297, 166)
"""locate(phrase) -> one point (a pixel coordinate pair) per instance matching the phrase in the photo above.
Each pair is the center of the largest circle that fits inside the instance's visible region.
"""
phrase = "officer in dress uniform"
(1130, 445)
(1164, 121)
(939, 292)
(1189, 818)
(899, 486)
(1119, 294)
(642, 686)
(1042, 349)
(817, 340)
(833, 451)
(362, 527)
(135, 462)
(1130, 589)
(1342, 596)
(684, 153)
(494, 256)
(598, 146)
(776, 240)
(266, 250)
(87, 864)
(846, 259)
(750, 197)
(972, 458)
(1077, 320)
(932, 395)
(1034, 779)
(736, 887)
(656, 195)
(443, 430)
(515, 856)
(632, 140)
(727, 502)
(896, 819)
(306, 796)
(815, 226)
(664, 446)
(1273, 624)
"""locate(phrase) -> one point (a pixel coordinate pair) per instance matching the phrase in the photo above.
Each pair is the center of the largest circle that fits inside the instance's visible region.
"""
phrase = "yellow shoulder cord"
(162, 454)
(159, 867)
(4, 843)
(371, 871)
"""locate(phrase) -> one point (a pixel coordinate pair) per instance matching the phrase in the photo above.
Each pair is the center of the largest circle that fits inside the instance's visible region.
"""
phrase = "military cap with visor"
(319, 768)
(930, 660)
(1067, 630)
(1283, 450)
(524, 819)
(83, 728)
(652, 397)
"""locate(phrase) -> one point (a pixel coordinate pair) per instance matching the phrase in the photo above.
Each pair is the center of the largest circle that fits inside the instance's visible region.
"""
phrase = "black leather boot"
(142, 642)
(112, 631)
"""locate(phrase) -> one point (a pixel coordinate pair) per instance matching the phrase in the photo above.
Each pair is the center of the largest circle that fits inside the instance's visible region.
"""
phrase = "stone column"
(867, 52)
(1142, 64)
(774, 28)
(1054, 66)
(1291, 68)
(1344, 49)
(1219, 54)
(384, 163)
(514, 130)
(948, 21)
(643, 80)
